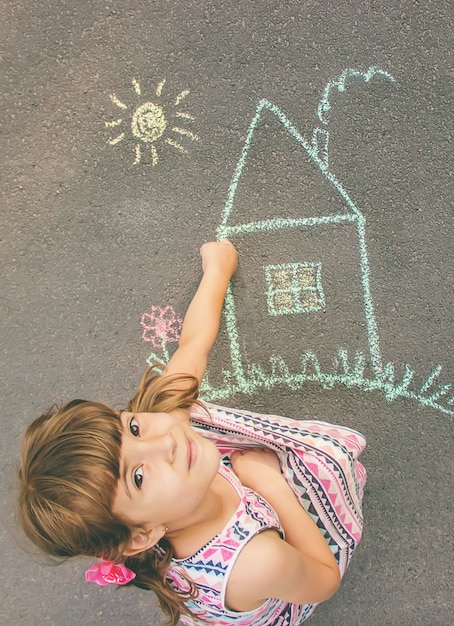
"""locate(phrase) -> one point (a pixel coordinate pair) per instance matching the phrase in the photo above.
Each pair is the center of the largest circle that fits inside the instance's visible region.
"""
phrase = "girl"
(228, 516)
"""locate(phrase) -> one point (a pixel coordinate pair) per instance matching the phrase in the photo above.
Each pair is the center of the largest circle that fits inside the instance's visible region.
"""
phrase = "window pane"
(284, 303)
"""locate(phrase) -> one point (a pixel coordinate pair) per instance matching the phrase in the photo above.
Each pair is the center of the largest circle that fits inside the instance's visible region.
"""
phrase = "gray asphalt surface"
(91, 240)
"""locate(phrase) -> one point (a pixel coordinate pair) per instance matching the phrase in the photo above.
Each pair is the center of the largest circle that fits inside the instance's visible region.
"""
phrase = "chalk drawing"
(350, 370)
(294, 288)
(160, 327)
(339, 84)
(149, 124)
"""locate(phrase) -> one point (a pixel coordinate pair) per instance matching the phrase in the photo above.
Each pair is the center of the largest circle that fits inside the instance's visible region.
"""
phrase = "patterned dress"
(320, 463)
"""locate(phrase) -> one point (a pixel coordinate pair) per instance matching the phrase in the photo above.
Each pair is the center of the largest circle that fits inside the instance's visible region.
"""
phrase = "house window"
(294, 288)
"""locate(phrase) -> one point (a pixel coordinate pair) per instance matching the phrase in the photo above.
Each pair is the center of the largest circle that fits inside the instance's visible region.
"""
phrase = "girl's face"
(166, 470)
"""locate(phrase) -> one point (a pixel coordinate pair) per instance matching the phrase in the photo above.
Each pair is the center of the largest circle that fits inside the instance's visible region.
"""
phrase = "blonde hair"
(68, 477)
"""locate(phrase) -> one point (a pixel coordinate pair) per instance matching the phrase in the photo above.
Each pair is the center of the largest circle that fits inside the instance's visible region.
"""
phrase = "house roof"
(309, 208)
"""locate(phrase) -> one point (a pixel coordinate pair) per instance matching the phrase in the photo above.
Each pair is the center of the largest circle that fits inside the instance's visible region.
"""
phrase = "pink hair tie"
(109, 573)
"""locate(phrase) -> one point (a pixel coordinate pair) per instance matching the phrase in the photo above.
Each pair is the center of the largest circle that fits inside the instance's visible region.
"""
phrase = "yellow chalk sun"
(150, 123)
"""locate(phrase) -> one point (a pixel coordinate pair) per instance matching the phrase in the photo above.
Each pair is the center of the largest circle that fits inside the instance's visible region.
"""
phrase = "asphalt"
(318, 137)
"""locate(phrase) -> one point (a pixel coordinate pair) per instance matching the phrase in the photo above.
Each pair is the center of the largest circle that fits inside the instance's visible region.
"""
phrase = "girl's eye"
(138, 477)
(134, 427)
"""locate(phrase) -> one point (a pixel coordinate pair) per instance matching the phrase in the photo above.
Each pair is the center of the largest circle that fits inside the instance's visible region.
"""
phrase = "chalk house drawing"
(151, 122)
(297, 288)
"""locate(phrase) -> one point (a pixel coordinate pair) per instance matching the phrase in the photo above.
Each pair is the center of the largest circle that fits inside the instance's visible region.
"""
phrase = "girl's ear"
(142, 540)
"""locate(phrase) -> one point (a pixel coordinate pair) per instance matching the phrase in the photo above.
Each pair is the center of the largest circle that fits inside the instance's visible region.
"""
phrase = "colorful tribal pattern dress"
(320, 463)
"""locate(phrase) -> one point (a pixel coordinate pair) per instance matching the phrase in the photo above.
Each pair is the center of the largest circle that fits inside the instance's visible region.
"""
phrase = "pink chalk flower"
(161, 326)
(109, 573)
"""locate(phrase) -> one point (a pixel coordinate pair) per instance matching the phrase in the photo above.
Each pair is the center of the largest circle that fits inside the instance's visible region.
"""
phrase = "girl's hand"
(219, 255)
(258, 469)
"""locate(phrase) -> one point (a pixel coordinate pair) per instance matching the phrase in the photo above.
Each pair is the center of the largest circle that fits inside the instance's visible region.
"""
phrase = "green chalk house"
(306, 283)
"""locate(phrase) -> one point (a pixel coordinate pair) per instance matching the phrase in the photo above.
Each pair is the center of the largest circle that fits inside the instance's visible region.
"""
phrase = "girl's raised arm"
(202, 319)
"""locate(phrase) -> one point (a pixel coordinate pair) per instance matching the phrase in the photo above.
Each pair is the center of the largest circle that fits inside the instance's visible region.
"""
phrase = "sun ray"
(118, 102)
(113, 142)
(185, 133)
(176, 145)
(160, 87)
(186, 116)
(137, 88)
(181, 96)
(114, 123)
(154, 155)
(138, 152)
